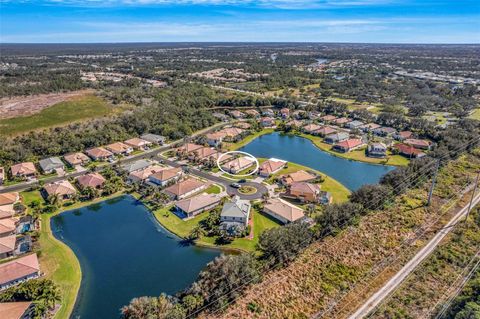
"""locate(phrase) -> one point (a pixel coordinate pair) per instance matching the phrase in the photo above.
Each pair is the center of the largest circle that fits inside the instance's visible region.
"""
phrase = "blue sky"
(373, 21)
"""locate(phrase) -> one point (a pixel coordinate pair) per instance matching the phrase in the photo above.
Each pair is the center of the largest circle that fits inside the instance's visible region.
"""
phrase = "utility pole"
(434, 180)
(473, 195)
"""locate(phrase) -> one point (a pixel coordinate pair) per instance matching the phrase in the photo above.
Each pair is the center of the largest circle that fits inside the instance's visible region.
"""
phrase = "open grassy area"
(475, 115)
(75, 109)
(183, 228)
(339, 192)
(213, 189)
(357, 155)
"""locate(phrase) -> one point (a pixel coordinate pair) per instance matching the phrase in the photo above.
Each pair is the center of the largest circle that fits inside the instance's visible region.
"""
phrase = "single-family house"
(284, 113)
(222, 117)
(137, 165)
(76, 159)
(299, 114)
(143, 174)
(369, 127)
(384, 131)
(232, 133)
(184, 188)
(9, 198)
(238, 164)
(153, 138)
(51, 165)
(187, 148)
(417, 143)
(294, 124)
(215, 139)
(408, 150)
(7, 246)
(237, 114)
(325, 130)
(348, 145)
(2, 175)
(304, 192)
(99, 154)
(197, 204)
(18, 271)
(271, 166)
(138, 143)
(283, 210)
(252, 113)
(337, 137)
(341, 121)
(166, 176)
(267, 121)
(298, 176)
(7, 211)
(7, 227)
(378, 150)
(201, 154)
(119, 148)
(354, 124)
(221, 157)
(62, 189)
(311, 128)
(268, 113)
(403, 135)
(17, 310)
(93, 180)
(235, 214)
(24, 170)
(243, 125)
(328, 118)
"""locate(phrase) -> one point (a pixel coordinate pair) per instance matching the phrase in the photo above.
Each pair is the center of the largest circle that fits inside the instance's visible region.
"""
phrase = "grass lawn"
(182, 228)
(475, 115)
(213, 189)
(357, 155)
(339, 192)
(75, 109)
(248, 139)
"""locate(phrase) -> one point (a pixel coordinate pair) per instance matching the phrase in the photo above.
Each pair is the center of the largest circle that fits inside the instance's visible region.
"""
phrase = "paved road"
(396, 280)
(148, 154)
(261, 189)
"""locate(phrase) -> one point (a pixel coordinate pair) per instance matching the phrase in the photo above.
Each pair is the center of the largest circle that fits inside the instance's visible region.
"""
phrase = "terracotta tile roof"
(91, 180)
(14, 310)
(145, 173)
(204, 152)
(7, 225)
(118, 147)
(298, 176)
(271, 165)
(216, 135)
(311, 127)
(189, 147)
(167, 174)
(284, 209)
(137, 142)
(98, 152)
(350, 143)
(232, 131)
(252, 112)
(408, 150)
(304, 187)
(184, 187)
(7, 244)
(326, 130)
(418, 143)
(198, 202)
(243, 125)
(6, 211)
(9, 198)
(405, 134)
(26, 168)
(60, 188)
(342, 120)
(76, 158)
(328, 118)
(19, 268)
(239, 163)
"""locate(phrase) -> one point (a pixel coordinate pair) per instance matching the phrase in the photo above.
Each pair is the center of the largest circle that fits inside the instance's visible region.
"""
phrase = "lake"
(352, 174)
(124, 253)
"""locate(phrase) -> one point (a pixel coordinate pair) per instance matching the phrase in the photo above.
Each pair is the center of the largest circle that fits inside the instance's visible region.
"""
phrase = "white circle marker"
(239, 152)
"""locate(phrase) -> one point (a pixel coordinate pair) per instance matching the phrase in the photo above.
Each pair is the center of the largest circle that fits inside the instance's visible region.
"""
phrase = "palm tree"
(196, 232)
(54, 200)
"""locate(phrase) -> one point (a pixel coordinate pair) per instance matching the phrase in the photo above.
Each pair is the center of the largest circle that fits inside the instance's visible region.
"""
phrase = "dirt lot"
(28, 105)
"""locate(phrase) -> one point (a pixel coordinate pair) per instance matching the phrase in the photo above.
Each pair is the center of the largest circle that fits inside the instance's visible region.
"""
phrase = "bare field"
(28, 105)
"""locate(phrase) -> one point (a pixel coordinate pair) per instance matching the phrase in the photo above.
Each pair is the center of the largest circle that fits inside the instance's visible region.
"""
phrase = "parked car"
(243, 180)
(236, 185)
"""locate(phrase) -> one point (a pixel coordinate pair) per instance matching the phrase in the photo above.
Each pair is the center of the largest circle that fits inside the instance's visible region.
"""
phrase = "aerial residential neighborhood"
(239, 159)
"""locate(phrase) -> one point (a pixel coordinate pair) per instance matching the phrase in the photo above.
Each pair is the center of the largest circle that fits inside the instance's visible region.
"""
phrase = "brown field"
(28, 105)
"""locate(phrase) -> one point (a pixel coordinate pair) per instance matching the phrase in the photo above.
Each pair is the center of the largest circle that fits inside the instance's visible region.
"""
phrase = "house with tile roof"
(267, 121)
(418, 143)
(138, 143)
(298, 176)
(19, 270)
(238, 164)
(165, 176)
(63, 189)
(325, 130)
(271, 166)
(75, 159)
(119, 148)
(16, 310)
(311, 128)
(93, 180)
(24, 170)
(187, 148)
(283, 211)
(408, 151)
(304, 192)
(185, 188)
(143, 174)
(195, 205)
(9, 198)
(348, 145)
(7, 246)
(99, 154)
(201, 154)
(7, 226)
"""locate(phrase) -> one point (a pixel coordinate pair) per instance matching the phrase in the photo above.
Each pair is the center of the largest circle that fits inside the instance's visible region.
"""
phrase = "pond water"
(124, 253)
(352, 174)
